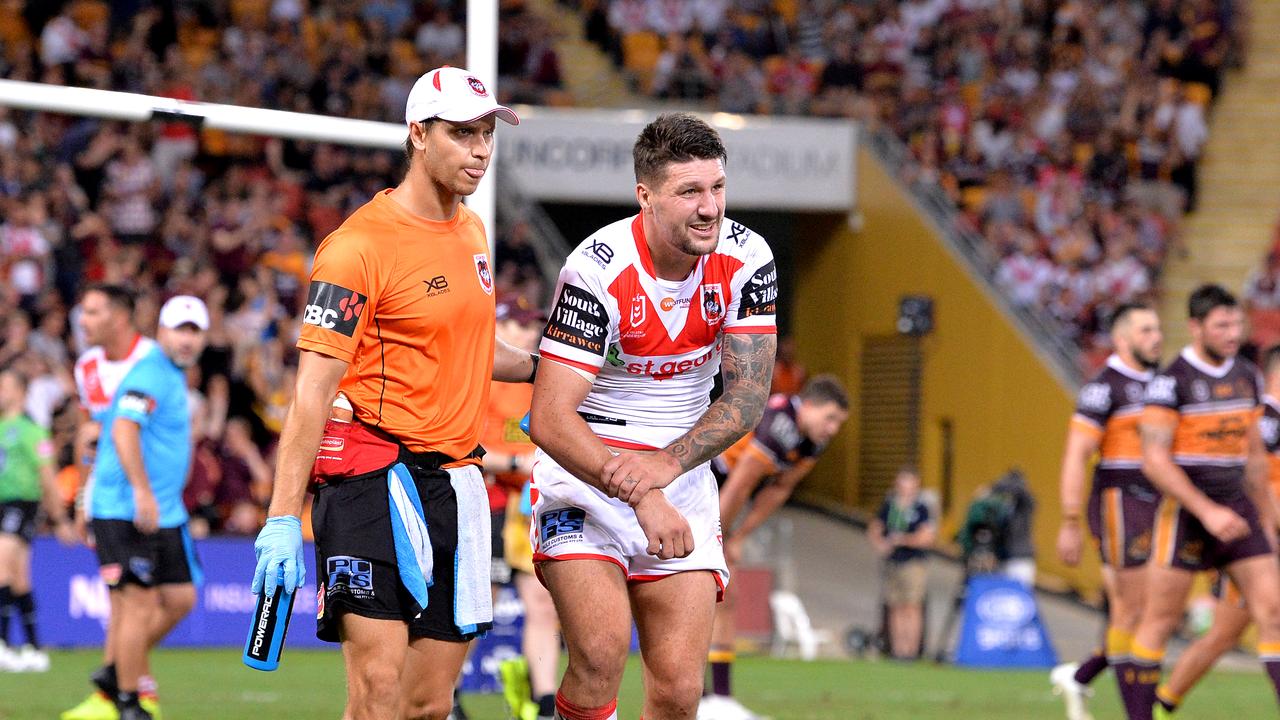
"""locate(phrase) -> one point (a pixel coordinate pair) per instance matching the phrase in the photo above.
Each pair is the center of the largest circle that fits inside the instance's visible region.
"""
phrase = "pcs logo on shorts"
(333, 307)
(560, 526)
(350, 575)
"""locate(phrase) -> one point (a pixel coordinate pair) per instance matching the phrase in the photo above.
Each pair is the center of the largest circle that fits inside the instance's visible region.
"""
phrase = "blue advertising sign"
(1002, 627)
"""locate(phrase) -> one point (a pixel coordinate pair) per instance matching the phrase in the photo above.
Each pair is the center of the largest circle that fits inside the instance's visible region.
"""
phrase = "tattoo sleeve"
(747, 366)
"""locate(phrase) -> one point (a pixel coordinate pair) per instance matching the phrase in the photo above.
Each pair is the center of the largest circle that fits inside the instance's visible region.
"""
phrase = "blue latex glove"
(524, 423)
(279, 545)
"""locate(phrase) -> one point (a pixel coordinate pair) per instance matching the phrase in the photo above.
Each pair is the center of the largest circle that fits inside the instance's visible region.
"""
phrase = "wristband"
(533, 373)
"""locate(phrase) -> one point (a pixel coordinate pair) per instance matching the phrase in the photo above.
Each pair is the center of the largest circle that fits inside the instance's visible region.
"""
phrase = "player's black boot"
(104, 678)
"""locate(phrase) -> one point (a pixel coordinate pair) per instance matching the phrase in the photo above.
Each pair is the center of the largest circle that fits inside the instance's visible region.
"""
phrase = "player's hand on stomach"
(629, 476)
(1070, 540)
(1224, 523)
(666, 529)
(146, 515)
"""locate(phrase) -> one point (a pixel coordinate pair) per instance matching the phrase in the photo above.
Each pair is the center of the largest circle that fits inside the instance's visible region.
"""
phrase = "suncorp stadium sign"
(774, 163)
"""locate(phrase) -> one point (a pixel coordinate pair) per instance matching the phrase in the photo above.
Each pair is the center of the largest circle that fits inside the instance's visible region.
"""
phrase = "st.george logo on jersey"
(712, 303)
(482, 270)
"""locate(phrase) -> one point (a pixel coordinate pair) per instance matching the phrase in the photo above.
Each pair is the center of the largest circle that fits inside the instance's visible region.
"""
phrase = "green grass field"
(208, 684)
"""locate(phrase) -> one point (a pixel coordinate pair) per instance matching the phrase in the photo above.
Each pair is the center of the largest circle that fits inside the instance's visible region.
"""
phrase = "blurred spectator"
(1262, 302)
(788, 374)
(902, 533)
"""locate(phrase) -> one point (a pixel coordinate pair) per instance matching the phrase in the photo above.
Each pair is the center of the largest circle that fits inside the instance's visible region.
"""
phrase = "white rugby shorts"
(575, 521)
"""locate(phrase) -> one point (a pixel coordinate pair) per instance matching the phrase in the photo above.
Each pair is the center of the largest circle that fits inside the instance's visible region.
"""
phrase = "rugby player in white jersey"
(626, 520)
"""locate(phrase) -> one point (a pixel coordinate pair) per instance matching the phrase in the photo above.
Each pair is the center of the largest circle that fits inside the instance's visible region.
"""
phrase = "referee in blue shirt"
(139, 522)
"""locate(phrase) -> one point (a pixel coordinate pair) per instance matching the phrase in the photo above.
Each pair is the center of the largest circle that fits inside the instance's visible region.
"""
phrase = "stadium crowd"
(167, 209)
(1066, 131)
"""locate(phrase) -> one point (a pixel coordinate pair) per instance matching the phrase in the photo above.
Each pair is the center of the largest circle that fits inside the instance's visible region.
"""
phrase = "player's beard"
(1216, 355)
(697, 246)
(1147, 362)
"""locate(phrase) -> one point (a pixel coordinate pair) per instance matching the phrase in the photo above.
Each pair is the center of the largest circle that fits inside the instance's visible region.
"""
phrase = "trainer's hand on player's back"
(1224, 523)
(666, 529)
(629, 476)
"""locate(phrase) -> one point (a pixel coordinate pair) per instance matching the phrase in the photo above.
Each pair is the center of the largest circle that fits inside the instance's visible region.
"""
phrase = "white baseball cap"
(453, 94)
(183, 309)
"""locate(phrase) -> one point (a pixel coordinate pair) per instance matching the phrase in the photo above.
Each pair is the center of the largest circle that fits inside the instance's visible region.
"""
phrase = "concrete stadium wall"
(980, 372)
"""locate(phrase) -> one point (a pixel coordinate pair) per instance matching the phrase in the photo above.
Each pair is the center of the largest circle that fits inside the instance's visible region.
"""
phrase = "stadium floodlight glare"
(134, 107)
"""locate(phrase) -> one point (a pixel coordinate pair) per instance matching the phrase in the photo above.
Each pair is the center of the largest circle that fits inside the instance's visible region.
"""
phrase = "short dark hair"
(1206, 298)
(1121, 312)
(823, 389)
(672, 138)
(118, 295)
(408, 139)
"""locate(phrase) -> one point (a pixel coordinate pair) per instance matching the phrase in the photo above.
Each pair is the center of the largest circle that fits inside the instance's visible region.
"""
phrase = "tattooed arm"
(1157, 428)
(747, 366)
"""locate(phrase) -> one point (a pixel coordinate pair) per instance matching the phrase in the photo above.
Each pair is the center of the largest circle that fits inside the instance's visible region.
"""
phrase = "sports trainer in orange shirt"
(399, 325)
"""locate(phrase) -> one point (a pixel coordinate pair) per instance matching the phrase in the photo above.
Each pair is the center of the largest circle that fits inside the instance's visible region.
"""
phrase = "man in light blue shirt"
(139, 521)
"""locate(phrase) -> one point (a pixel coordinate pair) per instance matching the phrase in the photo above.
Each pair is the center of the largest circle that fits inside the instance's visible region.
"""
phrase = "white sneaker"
(31, 659)
(1063, 680)
(8, 659)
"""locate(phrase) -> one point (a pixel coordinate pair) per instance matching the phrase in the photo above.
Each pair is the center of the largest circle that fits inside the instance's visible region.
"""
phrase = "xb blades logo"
(603, 252)
(436, 285)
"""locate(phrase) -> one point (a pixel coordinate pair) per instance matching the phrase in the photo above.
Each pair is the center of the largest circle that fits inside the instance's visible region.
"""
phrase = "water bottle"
(270, 623)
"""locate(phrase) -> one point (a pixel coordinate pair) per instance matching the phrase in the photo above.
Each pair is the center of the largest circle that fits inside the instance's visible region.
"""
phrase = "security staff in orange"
(399, 328)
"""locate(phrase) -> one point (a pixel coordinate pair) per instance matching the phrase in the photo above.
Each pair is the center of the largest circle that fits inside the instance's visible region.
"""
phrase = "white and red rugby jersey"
(97, 377)
(652, 347)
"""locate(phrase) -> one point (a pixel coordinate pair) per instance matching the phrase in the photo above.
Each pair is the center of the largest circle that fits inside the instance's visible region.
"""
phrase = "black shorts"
(499, 570)
(126, 556)
(356, 554)
(18, 517)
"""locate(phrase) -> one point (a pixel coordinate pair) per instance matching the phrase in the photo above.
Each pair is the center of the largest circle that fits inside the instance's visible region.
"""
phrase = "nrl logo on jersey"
(712, 303)
(638, 306)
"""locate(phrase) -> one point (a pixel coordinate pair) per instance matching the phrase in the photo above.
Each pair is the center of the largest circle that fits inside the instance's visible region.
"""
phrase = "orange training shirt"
(408, 302)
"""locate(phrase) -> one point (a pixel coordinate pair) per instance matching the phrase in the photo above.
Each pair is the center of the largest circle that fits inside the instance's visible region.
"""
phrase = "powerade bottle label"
(270, 624)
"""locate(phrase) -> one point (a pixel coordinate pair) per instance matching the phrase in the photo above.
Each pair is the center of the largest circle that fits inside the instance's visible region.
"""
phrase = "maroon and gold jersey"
(1213, 408)
(1108, 408)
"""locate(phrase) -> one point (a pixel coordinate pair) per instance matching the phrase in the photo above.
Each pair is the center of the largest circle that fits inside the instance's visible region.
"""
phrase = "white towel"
(472, 602)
